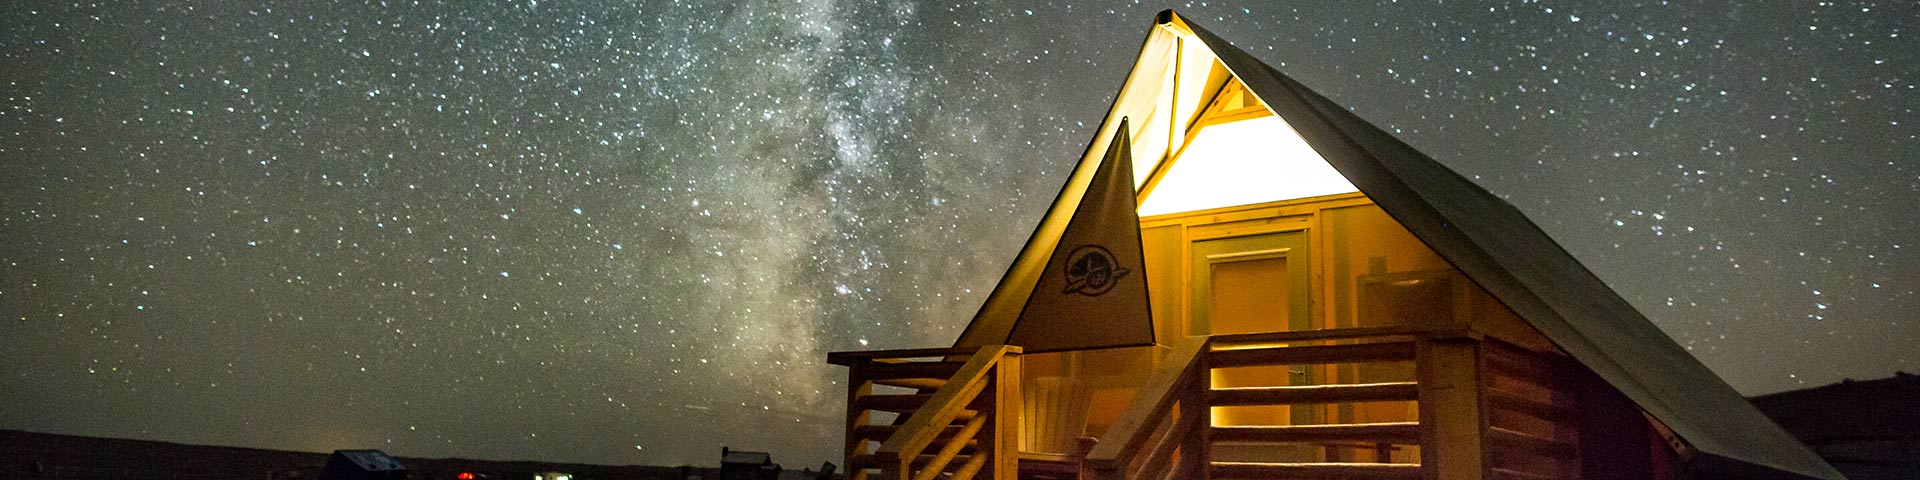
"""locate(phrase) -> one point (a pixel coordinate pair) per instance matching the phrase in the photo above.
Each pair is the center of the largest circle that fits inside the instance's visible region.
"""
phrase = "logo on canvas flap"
(1092, 271)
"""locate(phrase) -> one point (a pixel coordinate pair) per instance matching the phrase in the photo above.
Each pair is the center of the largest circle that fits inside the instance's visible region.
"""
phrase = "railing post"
(1195, 451)
(1005, 438)
(1453, 418)
(857, 386)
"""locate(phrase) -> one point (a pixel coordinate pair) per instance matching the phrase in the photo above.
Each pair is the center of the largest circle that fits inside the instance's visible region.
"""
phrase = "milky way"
(628, 233)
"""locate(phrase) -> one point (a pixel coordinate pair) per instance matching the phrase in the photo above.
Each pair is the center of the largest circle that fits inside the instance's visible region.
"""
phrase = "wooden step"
(892, 403)
(1400, 433)
(1364, 392)
(1317, 471)
(1508, 439)
(905, 370)
(1358, 353)
(1540, 409)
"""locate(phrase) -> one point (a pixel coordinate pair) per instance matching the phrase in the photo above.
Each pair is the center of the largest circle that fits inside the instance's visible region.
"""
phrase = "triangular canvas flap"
(1080, 282)
(1093, 293)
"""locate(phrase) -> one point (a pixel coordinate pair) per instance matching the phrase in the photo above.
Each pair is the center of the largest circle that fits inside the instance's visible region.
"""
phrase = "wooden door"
(1251, 284)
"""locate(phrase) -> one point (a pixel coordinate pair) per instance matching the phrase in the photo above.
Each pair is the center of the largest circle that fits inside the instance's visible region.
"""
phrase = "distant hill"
(1869, 429)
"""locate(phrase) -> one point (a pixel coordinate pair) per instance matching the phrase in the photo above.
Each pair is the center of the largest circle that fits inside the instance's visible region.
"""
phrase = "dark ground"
(29, 455)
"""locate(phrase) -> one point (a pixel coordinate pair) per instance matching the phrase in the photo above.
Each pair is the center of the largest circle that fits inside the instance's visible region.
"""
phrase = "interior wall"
(1164, 251)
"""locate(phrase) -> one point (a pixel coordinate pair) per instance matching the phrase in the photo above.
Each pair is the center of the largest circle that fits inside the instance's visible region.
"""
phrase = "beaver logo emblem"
(1092, 271)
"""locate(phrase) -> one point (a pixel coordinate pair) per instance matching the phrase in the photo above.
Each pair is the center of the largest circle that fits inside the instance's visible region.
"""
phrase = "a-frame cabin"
(1242, 279)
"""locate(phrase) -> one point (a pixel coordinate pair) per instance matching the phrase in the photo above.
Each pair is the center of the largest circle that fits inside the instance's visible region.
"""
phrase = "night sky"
(629, 233)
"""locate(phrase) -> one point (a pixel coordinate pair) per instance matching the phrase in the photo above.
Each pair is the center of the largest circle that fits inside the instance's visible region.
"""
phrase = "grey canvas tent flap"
(1080, 282)
(1498, 247)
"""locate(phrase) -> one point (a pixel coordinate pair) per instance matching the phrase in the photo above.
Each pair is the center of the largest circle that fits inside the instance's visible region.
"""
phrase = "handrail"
(928, 422)
(1138, 422)
(848, 358)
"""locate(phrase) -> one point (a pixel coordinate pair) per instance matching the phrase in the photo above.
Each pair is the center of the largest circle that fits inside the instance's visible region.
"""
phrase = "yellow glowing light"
(1245, 162)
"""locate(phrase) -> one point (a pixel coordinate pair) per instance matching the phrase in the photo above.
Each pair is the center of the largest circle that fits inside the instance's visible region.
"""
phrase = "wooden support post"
(1196, 450)
(1453, 417)
(857, 386)
(1005, 438)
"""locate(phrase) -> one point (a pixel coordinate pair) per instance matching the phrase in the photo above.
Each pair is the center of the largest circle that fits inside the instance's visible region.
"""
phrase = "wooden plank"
(969, 469)
(914, 383)
(1179, 467)
(1527, 368)
(1317, 471)
(1504, 348)
(1357, 353)
(1536, 408)
(1149, 407)
(1311, 394)
(1239, 339)
(950, 449)
(848, 358)
(1401, 433)
(896, 371)
(1453, 420)
(1508, 439)
(1160, 456)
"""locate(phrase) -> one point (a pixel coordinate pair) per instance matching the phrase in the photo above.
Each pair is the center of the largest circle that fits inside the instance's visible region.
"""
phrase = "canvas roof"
(1181, 65)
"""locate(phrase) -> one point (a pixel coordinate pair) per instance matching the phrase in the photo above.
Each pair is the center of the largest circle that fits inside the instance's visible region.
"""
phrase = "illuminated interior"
(1240, 163)
(1201, 140)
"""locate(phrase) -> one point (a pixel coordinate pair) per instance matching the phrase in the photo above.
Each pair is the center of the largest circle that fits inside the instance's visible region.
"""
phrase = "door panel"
(1263, 284)
(1248, 294)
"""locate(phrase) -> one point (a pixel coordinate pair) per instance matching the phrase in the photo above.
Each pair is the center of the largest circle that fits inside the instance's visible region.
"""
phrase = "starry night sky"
(629, 233)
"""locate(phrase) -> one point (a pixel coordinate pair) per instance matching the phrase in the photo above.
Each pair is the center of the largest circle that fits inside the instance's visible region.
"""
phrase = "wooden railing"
(1486, 409)
(1531, 398)
(1167, 432)
(1171, 412)
(954, 420)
